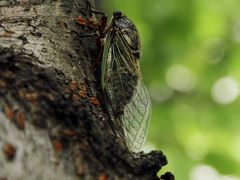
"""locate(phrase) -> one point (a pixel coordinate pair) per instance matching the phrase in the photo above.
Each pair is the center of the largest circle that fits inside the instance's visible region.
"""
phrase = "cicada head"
(128, 30)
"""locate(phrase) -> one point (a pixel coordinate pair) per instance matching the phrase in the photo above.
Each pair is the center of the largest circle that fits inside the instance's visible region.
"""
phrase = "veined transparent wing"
(127, 98)
(136, 118)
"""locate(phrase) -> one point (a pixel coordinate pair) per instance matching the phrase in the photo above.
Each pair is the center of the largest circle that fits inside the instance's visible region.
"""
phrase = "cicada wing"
(127, 98)
(136, 118)
(120, 72)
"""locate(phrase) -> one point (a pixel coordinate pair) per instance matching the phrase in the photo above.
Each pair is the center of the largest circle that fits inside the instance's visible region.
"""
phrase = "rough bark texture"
(53, 124)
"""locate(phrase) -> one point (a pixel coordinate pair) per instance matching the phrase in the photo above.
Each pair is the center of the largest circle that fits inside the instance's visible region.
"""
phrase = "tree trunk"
(53, 124)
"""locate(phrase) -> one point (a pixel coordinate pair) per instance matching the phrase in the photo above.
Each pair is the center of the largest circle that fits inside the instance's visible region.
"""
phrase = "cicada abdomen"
(127, 98)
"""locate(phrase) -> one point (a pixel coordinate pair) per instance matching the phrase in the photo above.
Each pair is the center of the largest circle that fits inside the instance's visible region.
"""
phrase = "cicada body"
(127, 98)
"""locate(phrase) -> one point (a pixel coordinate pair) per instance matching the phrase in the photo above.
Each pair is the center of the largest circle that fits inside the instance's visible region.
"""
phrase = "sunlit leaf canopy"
(191, 64)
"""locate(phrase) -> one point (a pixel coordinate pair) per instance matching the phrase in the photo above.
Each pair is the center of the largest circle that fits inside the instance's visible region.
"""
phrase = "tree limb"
(53, 124)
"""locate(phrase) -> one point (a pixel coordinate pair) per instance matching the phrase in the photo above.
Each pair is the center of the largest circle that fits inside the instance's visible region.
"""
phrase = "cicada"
(127, 98)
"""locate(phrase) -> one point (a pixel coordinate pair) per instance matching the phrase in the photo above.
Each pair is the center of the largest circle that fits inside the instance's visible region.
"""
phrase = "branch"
(53, 124)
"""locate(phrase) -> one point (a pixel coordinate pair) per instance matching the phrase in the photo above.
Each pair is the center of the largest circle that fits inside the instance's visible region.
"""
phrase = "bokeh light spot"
(225, 90)
(180, 78)
(160, 93)
(204, 172)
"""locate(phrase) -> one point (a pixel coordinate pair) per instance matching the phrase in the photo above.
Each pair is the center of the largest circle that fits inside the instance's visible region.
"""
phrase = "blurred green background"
(191, 64)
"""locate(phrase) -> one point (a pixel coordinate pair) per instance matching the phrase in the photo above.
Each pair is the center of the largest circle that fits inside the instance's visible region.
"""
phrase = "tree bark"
(53, 124)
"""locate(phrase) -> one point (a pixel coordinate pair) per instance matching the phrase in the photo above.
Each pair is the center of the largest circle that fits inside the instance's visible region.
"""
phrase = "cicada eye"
(117, 14)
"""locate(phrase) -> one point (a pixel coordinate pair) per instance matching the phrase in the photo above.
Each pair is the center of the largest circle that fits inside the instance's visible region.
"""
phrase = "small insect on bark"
(126, 97)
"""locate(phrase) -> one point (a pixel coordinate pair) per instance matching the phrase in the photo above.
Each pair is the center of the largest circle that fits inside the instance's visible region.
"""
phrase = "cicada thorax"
(130, 33)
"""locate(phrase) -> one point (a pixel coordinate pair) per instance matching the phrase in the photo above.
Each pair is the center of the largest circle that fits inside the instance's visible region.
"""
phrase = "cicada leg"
(99, 26)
